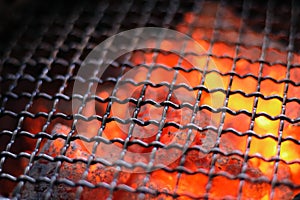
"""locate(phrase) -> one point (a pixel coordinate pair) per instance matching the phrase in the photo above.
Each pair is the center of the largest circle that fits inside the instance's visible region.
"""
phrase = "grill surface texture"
(43, 44)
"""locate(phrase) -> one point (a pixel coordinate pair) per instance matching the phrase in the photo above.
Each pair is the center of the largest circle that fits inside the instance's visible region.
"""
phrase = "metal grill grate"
(38, 69)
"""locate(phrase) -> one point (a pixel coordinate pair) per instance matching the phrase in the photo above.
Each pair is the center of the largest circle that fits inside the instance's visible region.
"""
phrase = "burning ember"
(194, 173)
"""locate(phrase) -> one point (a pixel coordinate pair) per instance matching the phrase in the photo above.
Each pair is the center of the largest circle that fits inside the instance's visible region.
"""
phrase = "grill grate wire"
(45, 55)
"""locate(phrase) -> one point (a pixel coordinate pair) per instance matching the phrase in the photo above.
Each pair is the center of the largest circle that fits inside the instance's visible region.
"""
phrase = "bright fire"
(196, 184)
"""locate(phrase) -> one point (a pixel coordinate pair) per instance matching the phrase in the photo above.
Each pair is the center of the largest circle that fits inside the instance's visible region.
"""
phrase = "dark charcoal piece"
(297, 197)
(73, 171)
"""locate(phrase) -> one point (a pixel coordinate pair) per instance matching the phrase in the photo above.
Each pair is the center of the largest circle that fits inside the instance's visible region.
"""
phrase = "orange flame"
(221, 187)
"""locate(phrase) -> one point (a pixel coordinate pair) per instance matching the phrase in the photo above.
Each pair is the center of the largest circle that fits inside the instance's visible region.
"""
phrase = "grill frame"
(40, 77)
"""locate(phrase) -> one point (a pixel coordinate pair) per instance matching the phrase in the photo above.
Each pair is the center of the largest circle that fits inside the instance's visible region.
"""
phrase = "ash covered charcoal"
(156, 186)
(183, 137)
(282, 192)
(255, 190)
(71, 171)
(196, 160)
(233, 165)
(202, 119)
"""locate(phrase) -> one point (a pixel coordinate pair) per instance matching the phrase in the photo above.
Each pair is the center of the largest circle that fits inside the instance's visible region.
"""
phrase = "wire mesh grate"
(256, 51)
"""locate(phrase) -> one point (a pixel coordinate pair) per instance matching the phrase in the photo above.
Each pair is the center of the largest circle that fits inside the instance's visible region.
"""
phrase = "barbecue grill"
(253, 133)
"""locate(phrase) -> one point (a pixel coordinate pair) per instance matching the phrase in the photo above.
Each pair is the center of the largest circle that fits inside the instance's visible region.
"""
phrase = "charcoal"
(72, 171)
